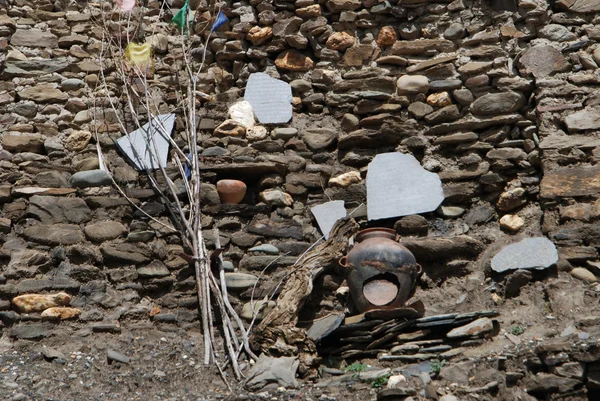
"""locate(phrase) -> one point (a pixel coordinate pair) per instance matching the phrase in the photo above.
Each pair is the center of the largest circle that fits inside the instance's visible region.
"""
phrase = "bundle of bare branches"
(127, 89)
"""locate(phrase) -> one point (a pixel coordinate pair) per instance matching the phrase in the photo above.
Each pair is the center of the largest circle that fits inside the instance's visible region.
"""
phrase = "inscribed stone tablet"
(327, 214)
(148, 147)
(270, 98)
(397, 185)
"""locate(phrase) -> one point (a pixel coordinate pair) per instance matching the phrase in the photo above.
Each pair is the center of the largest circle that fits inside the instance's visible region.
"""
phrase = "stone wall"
(498, 98)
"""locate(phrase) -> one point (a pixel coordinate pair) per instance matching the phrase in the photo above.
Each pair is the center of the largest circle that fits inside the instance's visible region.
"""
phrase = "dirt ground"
(167, 364)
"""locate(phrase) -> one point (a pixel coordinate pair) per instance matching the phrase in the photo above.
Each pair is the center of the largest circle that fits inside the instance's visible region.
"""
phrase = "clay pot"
(231, 192)
(382, 273)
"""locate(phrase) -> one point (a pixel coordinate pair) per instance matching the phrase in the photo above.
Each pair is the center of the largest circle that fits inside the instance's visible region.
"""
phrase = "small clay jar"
(231, 192)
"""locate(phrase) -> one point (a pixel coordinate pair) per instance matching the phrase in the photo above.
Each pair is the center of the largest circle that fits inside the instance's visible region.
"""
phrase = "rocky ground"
(547, 338)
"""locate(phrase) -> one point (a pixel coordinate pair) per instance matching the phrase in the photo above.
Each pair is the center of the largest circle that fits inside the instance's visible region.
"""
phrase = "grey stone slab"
(358, 326)
(148, 146)
(436, 349)
(557, 141)
(475, 328)
(270, 98)
(156, 268)
(240, 281)
(116, 356)
(437, 323)
(327, 214)
(397, 186)
(51, 353)
(586, 119)
(324, 326)
(33, 68)
(265, 248)
(476, 315)
(530, 253)
(31, 331)
(436, 318)
(90, 178)
(281, 371)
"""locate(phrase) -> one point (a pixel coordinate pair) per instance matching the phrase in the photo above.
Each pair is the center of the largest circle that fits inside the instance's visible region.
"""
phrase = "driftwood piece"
(277, 334)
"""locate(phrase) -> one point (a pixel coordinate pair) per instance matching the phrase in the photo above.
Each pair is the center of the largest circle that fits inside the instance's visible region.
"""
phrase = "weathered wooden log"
(443, 248)
(277, 334)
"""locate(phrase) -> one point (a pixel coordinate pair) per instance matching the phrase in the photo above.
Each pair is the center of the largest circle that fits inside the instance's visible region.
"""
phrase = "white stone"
(345, 180)
(327, 214)
(412, 84)
(397, 186)
(242, 113)
(140, 147)
(395, 380)
(511, 222)
(270, 98)
(276, 197)
(256, 133)
(159, 42)
(530, 253)
(451, 211)
(583, 274)
(15, 55)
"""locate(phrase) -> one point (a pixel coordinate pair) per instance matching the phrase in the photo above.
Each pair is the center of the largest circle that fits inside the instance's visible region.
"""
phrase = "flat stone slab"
(33, 68)
(327, 214)
(543, 60)
(90, 178)
(265, 248)
(397, 186)
(279, 228)
(530, 253)
(586, 119)
(27, 191)
(156, 268)
(50, 209)
(245, 170)
(271, 98)
(475, 328)
(31, 331)
(116, 356)
(148, 146)
(569, 141)
(281, 371)
(571, 182)
(54, 234)
(580, 6)
(322, 327)
(240, 281)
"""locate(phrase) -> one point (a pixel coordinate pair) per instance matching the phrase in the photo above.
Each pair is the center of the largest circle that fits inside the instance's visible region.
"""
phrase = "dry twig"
(136, 101)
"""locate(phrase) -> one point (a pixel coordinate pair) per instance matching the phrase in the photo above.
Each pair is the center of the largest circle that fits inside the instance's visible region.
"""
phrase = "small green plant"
(437, 365)
(517, 330)
(356, 367)
(381, 381)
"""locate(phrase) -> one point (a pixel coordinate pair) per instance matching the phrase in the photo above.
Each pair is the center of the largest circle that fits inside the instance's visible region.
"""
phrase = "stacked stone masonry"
(500, 98)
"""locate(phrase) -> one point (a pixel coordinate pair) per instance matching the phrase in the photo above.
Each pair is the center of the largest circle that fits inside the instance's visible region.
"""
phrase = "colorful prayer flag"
(221, 19)
(181, 16)
(126, 5)
(140, 56)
